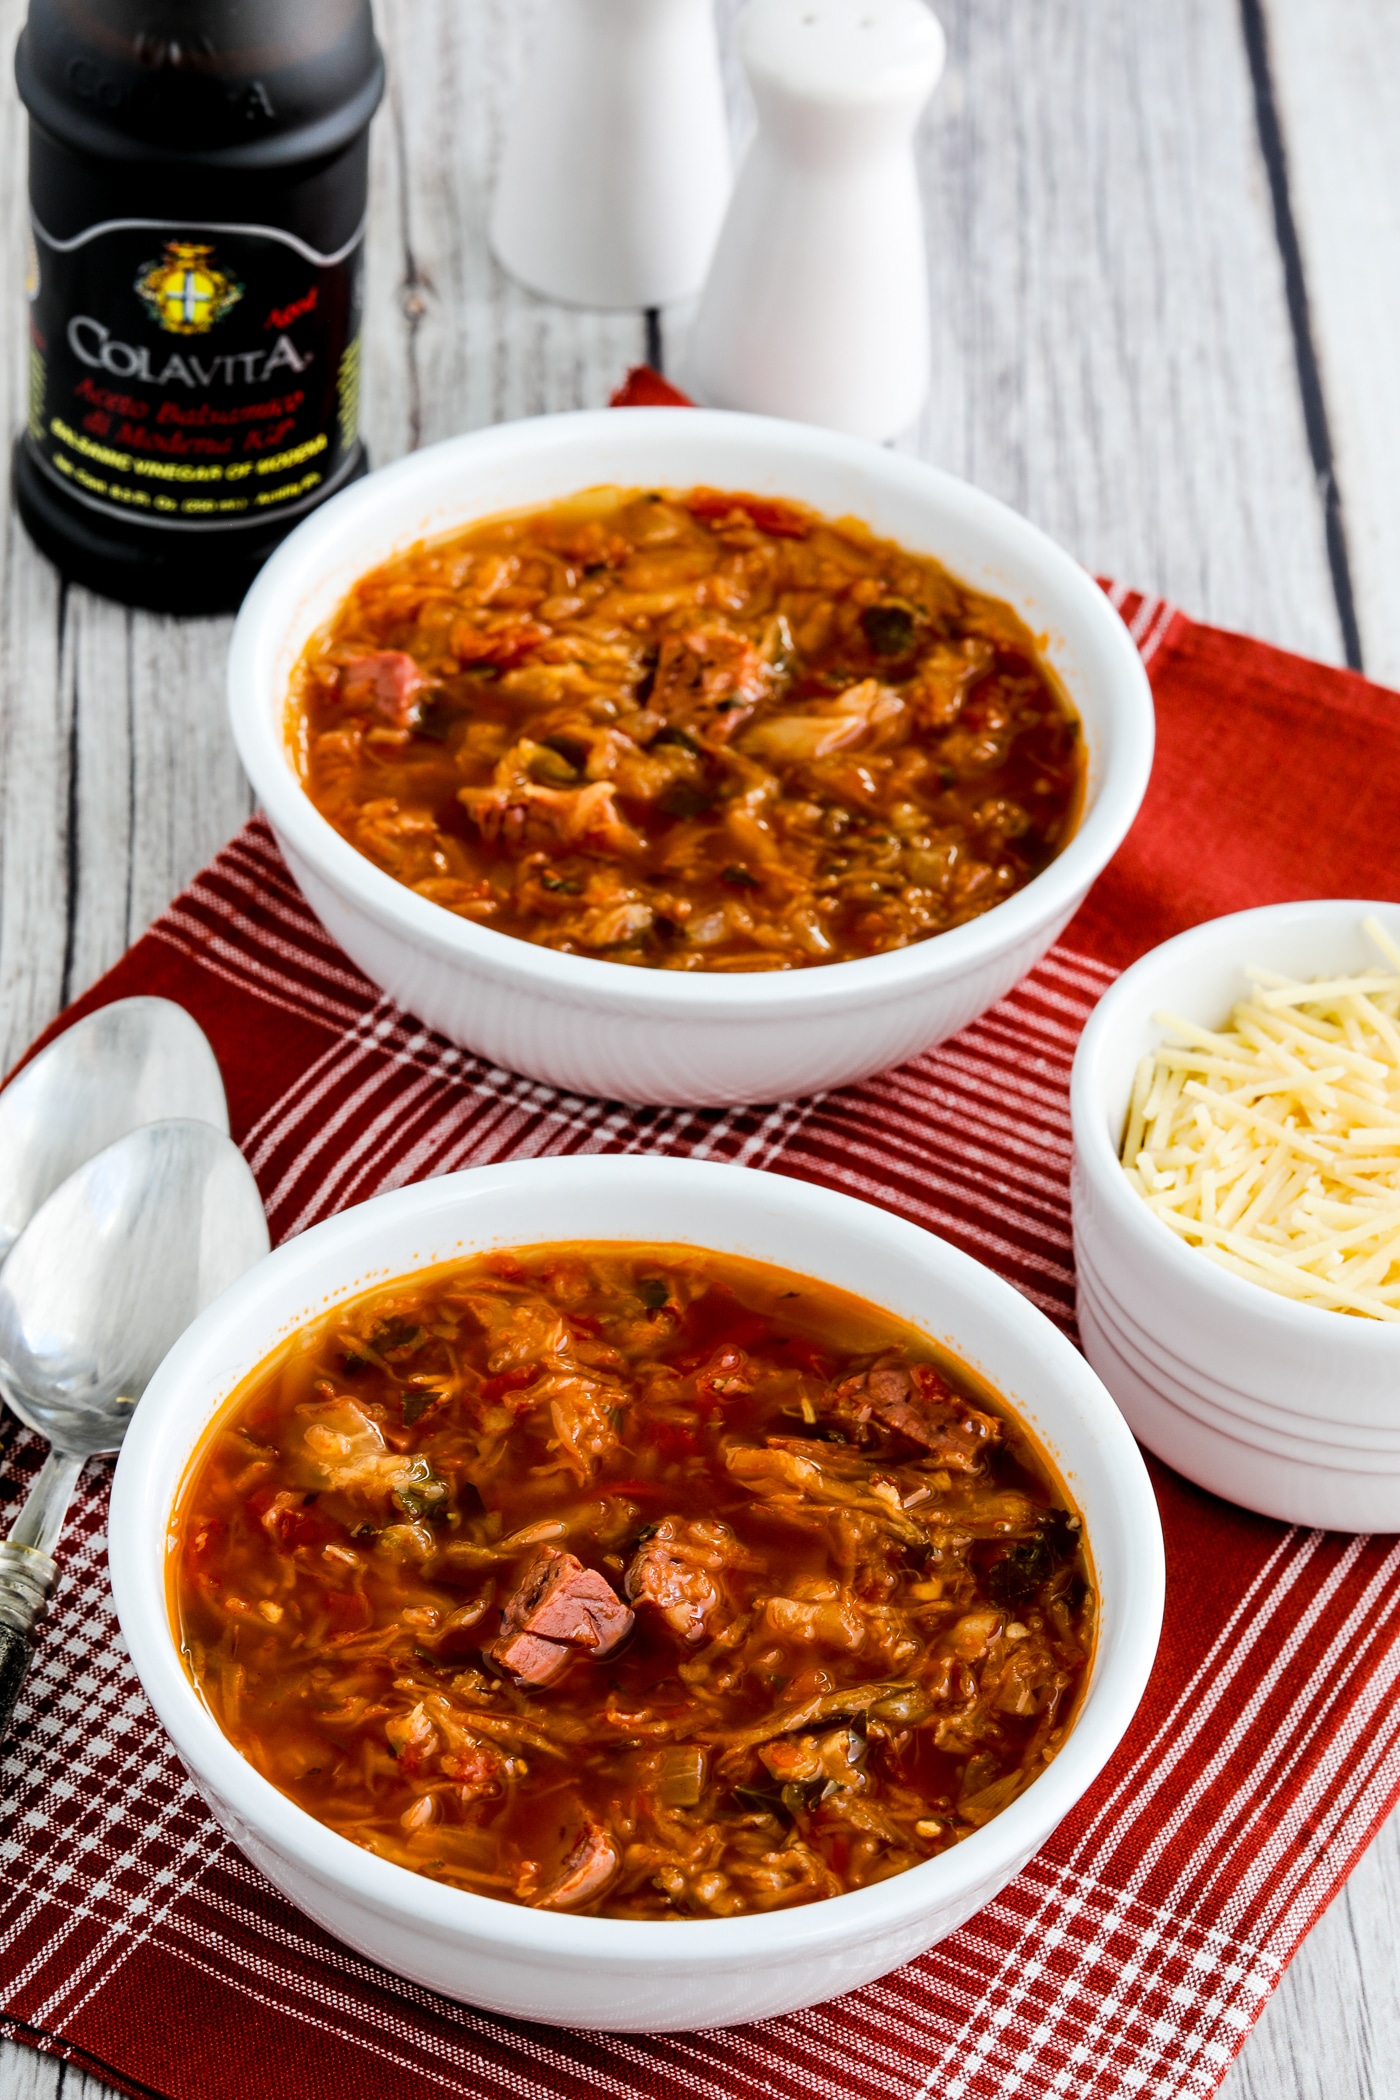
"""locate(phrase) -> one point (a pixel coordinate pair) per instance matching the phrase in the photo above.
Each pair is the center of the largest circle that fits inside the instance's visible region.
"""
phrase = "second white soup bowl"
(664, 1035)
(609, 1972)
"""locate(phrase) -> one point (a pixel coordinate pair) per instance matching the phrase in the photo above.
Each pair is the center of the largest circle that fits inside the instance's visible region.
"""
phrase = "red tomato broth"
(856, 1624)
(694, 730)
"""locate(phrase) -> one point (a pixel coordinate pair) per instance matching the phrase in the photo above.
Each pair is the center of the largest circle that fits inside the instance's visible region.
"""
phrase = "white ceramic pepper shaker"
(616, 169)
(816, 305)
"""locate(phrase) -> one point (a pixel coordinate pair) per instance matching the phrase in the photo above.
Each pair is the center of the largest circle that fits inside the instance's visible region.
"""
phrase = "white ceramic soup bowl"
(604, 1972)
(1287, 1408)
(662, 1035)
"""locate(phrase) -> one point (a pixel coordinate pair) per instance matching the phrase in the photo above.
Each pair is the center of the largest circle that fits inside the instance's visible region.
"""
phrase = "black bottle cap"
(234, 84)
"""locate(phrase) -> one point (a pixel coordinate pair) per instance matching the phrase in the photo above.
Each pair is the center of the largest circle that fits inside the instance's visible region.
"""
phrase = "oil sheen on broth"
(688, 730)
(631, 1581)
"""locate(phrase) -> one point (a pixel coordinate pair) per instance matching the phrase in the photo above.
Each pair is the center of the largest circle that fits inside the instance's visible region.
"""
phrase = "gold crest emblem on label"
(184, 292)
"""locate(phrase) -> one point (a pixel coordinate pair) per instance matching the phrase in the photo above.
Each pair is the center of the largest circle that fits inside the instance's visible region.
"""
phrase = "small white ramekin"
(661, 1035)
(1286, 1408)
(606, 1972)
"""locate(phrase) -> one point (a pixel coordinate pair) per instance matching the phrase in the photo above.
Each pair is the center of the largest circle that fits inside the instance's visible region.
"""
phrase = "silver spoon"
(130, 1063)
(101, 1283)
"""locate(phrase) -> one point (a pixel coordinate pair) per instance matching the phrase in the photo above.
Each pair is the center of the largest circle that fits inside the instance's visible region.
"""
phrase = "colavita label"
(193, 375)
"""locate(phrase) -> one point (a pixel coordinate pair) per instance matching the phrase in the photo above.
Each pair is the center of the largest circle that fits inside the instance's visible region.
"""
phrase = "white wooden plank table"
(1165, 250)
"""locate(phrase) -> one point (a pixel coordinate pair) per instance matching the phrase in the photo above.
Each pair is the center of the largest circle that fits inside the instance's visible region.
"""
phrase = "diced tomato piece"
(674, 1440)
(287, 1520)
(585, 1323)
(933, 1386)
(476, 1769)
(746, 1334)
(808, 1356)
(512, 1381)
(779, 519)
(735, 1330)
(203, 1538)
(349, 1611)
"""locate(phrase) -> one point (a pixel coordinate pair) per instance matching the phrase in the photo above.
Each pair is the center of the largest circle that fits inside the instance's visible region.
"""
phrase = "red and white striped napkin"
(1134, 1953)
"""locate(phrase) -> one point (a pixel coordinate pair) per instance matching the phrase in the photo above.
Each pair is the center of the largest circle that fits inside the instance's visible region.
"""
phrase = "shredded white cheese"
(1273, 1143)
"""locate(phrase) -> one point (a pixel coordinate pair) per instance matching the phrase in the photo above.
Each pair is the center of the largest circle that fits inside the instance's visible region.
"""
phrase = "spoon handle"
(27, 1571)
(26, 1577)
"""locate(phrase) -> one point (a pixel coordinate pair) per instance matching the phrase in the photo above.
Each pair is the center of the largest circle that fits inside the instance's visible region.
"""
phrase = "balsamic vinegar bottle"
(197, 181)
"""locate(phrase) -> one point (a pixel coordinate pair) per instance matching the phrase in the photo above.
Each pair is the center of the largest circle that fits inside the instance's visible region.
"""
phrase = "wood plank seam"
(410, 286)
(72, 809)
(1315, 417)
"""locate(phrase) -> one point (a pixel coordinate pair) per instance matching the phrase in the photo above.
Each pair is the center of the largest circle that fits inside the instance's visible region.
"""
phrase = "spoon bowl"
(130, 1063)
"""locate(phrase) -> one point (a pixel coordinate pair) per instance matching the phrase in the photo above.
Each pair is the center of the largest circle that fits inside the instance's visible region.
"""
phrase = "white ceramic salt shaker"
(616, 169)
(816, 306)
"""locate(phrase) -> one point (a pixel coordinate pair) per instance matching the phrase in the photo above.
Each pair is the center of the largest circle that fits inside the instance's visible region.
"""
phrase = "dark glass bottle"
(197, 179)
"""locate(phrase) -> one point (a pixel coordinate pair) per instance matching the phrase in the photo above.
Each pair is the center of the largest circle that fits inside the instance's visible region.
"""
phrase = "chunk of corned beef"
(915, 1402)
(386, 684)
(558, 1609)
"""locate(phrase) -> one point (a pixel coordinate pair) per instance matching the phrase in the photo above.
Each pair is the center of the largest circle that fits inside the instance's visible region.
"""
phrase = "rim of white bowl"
(278, 597)
(1099, 1162)
(137, 1532)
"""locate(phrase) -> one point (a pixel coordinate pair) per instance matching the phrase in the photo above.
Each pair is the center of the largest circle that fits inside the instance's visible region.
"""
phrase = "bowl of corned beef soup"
(679, 756)
(661, 1627)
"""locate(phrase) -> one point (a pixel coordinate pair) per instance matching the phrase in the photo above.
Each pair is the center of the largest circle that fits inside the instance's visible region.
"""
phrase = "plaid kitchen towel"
(1135, 1951)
